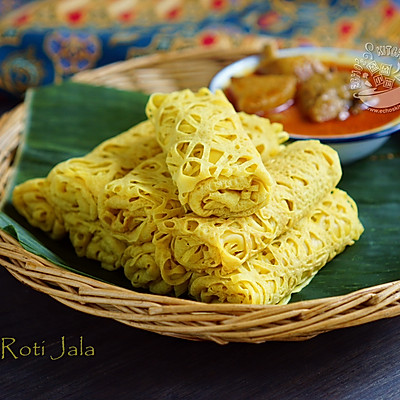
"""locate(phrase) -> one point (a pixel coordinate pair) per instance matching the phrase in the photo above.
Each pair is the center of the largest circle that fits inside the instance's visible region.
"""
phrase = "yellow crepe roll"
(305, 172)
(129, 148)
(75, 184)
(200, 198)
(213, 162)
(30, 200)
(91, 240)
(132, 206)
(66, 201)
(142, 270)
(123, 203)
(268, 137)
(88, 238)
(172, 272)
(290, 261)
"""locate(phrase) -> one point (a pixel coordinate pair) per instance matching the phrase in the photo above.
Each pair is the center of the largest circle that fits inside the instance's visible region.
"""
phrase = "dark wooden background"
(354, 363)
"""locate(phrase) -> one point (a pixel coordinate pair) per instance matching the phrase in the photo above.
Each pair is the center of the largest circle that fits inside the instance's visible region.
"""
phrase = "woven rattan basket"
(185, 319)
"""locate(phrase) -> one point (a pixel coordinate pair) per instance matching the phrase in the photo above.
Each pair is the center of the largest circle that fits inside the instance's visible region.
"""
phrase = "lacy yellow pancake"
(74, 185)
(213, 162)
(111, 201)
(305, 172)
(290, 261)
(66, 201)
(268, 137)
(131, 206)
(31, 200)
(202, 201)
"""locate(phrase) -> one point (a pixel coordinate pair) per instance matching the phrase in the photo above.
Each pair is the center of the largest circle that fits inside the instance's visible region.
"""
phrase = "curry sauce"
(292, 116)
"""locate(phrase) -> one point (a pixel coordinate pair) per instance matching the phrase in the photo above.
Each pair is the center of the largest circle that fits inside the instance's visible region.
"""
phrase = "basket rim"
(181, 318)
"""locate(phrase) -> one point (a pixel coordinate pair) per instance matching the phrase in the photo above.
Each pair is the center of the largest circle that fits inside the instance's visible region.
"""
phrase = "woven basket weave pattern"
(180, 318)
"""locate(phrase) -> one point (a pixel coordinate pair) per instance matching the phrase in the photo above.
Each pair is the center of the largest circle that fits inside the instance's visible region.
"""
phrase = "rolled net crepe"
(66, 201)
(131, 206)
(212, 161)
(114, 224)
(120, 206)
(267, 137)
(143, 271)
(31, 200)
(131, 147)
(124, 204)
(290, 261)
(75, 184)
(91, 240)
(305, 172)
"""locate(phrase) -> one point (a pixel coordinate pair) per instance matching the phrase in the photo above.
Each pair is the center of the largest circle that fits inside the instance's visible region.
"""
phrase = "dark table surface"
(125, 363)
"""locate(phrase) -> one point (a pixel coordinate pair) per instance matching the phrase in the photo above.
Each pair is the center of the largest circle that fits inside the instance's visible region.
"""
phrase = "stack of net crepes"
(200, 201)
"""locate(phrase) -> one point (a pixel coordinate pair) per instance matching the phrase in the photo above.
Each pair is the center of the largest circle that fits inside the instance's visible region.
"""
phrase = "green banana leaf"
(70, 119)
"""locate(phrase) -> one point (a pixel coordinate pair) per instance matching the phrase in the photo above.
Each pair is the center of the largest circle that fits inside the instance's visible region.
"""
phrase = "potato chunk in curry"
(259, 94)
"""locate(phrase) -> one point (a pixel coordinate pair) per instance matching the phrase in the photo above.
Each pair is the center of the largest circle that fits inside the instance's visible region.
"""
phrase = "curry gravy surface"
(294, 122)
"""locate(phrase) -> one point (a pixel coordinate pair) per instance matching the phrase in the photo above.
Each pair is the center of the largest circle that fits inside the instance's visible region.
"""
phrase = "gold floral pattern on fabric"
(72, 51)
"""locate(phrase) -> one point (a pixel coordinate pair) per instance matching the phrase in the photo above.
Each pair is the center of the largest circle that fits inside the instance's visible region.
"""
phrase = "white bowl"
(351, 147)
